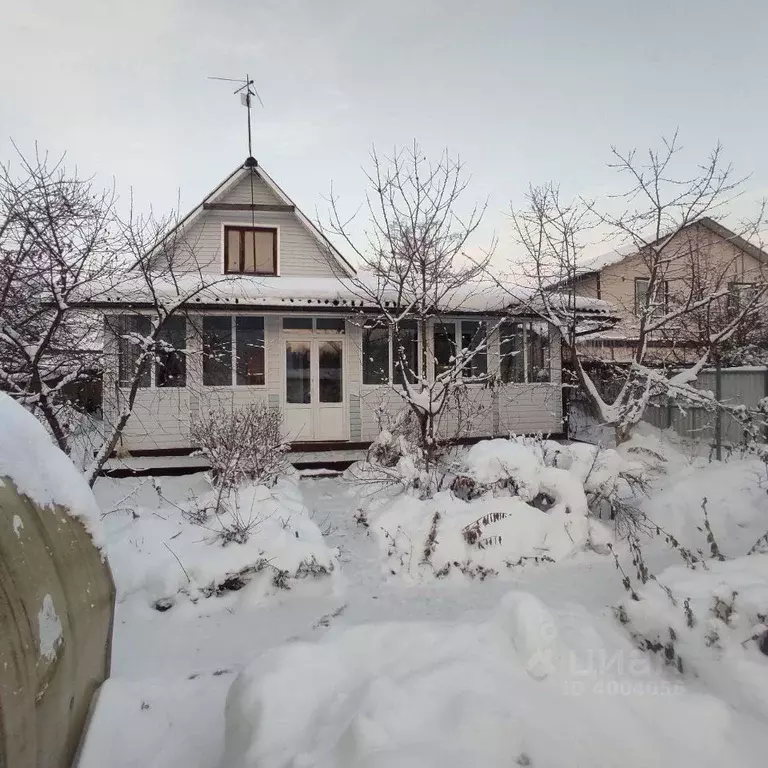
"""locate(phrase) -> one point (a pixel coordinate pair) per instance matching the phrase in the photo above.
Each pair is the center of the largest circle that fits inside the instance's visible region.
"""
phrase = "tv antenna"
(247, 91)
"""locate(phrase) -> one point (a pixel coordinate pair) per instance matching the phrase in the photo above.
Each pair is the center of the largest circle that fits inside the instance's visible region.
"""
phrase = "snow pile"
(165, 541)
(505, 503)
(710, 625)
(736, 502)
(529, 687)
(39, 470)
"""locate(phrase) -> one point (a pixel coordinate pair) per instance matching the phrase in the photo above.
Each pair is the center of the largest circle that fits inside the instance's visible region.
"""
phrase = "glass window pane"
(512, 364)
(249, 251)
(264, 243)
(232, 246)
(330, 366)
(445, 346)
(472, 337)
(538, 352)
(405, 350)
(297, 372)
(376, 355)
(130, 329)
(297, 323)
(330, 324)
(217, 351)
(171, 361)
(641, 289)
(249, 335)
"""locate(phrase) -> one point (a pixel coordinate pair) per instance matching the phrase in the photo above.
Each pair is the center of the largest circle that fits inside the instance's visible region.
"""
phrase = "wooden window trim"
(241, 256)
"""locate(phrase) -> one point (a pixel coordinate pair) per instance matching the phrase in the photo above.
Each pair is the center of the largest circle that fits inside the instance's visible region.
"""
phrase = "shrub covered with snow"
(505, 503)
(531, 687)
(166, 541)
(709, 624)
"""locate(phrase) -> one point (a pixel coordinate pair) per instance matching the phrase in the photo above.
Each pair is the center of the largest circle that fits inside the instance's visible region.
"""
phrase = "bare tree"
(416, 274)
(66, 254)
(656, 220)
(57, 238)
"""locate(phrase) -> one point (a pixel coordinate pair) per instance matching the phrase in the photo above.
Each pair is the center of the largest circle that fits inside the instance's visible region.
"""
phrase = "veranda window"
(405, 350)
(233, 347)
(465, 336)
(170, 360)
(525, 353)
(376, 354)
(129, 329)
(250, 250)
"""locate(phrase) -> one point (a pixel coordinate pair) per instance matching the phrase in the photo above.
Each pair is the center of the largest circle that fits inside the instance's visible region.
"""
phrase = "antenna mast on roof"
(247, 91)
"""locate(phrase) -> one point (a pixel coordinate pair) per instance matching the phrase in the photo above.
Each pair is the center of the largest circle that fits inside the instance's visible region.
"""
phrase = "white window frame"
(526, 323)
(391, 353)
(153, 361)
(457, 321)
(233, 353)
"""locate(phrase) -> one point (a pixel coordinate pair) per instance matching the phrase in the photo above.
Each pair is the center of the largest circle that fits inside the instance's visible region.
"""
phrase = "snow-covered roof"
(309, 294)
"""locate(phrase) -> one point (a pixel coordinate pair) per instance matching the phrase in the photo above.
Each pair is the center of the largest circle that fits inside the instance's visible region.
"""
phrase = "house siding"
(201, 243)
(715, 256)
(162, 417)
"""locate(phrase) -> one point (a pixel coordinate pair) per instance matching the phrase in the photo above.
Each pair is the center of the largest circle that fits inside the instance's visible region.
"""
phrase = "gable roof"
(251, 166)
(595, 265)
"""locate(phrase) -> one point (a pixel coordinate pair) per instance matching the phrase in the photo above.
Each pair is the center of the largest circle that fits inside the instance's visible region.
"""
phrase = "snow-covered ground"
(366, 667)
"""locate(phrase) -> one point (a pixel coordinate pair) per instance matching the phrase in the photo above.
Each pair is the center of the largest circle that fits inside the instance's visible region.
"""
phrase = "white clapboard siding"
(299, 252)
(162, 417)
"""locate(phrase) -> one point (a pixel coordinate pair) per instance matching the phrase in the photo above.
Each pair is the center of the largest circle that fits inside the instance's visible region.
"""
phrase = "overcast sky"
(522, 90)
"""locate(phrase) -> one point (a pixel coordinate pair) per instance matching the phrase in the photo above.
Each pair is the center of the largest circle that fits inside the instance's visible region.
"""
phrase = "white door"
(314, 389)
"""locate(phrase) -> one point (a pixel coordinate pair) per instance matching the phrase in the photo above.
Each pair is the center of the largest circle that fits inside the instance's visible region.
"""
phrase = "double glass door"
(314, 389)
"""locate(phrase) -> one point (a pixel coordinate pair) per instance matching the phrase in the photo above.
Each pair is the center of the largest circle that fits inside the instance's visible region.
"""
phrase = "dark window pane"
(538, 352)
(217, 351)
(250, 249)
(297, 376)
(445, 346)
(376, 355)
(405, 349)
(512, 364)
(641, 290)
(297, 323)
(171, 360)
(473, 337)
(330, 365)
(130, 329)
(249, 334)
(330, 324)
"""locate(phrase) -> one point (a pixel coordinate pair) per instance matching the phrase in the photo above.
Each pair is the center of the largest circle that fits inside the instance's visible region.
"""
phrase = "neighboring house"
(283, 323)
(705, 257)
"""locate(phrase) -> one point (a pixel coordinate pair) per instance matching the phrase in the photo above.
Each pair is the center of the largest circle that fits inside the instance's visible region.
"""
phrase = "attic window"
(250, 250)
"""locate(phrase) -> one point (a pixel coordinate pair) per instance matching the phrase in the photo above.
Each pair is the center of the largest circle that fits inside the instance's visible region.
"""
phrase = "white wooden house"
(282, 322)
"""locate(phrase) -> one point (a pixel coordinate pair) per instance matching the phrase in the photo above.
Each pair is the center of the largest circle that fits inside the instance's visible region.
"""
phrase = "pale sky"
(522, 90)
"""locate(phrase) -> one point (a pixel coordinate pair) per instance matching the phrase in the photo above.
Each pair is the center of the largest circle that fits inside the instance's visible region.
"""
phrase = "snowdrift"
(163, 551)
(530, 687)
(509, 502)
(710, 625)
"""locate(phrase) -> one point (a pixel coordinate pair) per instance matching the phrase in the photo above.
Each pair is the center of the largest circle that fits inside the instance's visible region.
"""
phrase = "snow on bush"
(164, 545)
(40, 470)
(531, 687)
(709, 624)
(509, 502)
